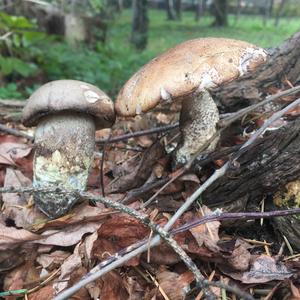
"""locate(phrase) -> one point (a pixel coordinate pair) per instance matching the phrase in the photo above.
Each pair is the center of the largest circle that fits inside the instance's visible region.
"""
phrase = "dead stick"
(15, 132)
(138, 133)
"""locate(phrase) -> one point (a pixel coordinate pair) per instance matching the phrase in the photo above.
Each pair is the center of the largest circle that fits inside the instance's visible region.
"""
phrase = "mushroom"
(188, 72)
(66, 113)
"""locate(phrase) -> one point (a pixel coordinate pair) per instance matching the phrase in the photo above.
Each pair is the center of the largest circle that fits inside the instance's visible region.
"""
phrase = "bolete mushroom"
(187, 72)
(66, 113)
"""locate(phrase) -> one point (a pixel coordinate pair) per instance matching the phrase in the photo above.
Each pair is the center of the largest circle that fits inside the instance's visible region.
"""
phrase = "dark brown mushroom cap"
(69, 96)
(196, 64)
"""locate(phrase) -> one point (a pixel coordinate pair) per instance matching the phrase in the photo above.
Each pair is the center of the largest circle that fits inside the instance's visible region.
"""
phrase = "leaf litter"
(48, 256)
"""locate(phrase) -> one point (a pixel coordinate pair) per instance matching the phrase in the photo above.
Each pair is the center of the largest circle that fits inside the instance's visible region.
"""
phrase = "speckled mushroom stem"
(198, 123)
(64, 150)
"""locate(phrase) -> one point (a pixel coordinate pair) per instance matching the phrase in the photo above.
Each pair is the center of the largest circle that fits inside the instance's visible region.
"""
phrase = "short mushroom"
(66, 113)
(187, 72)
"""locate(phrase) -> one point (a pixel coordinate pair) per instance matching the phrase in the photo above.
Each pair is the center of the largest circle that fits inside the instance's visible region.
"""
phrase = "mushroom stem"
(64, 150)
(198, 123)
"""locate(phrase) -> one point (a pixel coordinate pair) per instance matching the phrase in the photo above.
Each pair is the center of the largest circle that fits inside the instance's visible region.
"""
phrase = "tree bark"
(170, 10)
(238, 10)
(139, 34)
(220, 13)
(199, 10)
(269, 164)
(178, 9)
(283, 63)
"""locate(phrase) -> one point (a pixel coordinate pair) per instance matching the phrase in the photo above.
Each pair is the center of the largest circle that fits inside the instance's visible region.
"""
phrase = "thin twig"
(16, 132)
(237, 115)
(102, 165)
(261, 130)
(138, 133)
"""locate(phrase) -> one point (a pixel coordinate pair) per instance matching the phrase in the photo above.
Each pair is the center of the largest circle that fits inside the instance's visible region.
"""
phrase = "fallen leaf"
(174, 285)
(72, 263)
(45, 293)
(119, 232)
(11, 152)
(262, 269)
(51, 261)
(68, 236)
(139, 173)
(113, 287)
(11, 237)
(16, 204)
(207, 234)
(9, 259)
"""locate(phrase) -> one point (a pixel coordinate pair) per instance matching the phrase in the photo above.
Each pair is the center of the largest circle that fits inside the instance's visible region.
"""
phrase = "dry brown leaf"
(262, 269)
(240, 258)
(9, 259)
(24, 276)
(174, 285)
(68, 236)
(11, 152)
(88, 246)
(82, 213)
(113, 287)
(138, 173)
(15, 204)
(76, 275)
(72, 263)
(52, 260)
(207, 234)
(117, 233)
(295, 290)
(45, 293)
(11, 237)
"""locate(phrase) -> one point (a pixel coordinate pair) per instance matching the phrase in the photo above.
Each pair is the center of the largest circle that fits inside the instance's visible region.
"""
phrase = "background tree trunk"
(199, 9)
(178, 9)
(238, 10)
(220, 13)
(271, 162)
(170, 10)
(280, 12)
(267, 11)
(139, 35)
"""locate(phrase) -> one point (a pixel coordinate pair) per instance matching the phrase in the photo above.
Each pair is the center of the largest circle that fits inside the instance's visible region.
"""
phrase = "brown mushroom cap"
(69, 96)
(201, 63)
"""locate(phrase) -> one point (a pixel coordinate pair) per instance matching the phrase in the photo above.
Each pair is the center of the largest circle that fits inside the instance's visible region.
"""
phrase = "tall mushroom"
(66, 113)
(187, 72)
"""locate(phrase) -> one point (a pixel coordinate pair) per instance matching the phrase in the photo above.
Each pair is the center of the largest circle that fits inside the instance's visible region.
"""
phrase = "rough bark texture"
(272, 161)
(139, 35)
(284, 63)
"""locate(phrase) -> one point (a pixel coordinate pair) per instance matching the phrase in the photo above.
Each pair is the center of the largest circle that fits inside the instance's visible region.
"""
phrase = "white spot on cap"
(84, 86)
(209, 79)
(165, 95)
(91, 96)
(250, 55)
(138, 109)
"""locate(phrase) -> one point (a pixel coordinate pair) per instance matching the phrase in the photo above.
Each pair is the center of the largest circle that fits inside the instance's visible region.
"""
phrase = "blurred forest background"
(104, 41)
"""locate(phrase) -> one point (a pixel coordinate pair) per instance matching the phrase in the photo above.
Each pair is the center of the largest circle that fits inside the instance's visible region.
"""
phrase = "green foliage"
(28, 56)
(10, 92)
(107, 67)
(18, 49)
